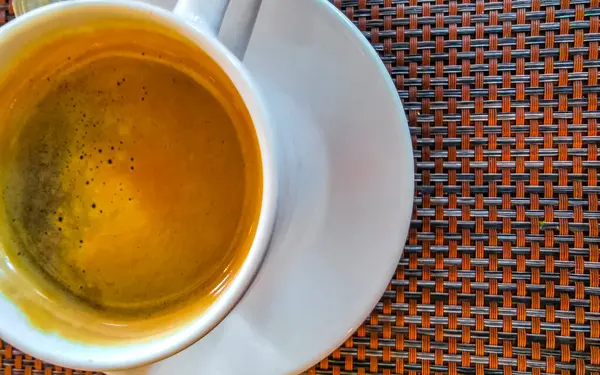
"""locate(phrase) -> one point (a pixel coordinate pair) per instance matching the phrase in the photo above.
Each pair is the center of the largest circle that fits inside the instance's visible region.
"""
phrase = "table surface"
(501, 272)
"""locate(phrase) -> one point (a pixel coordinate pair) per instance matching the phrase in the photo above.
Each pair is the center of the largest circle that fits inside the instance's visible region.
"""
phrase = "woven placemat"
(501, 272)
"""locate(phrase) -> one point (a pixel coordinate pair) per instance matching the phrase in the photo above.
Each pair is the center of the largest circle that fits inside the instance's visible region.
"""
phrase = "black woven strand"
(501, 273)
(501, 270)
(5, 12)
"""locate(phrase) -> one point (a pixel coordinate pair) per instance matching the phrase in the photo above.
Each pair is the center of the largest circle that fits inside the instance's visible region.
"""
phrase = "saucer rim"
(368, 50)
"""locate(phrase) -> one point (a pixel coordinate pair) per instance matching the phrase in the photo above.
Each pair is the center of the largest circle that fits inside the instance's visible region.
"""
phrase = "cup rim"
(101, 357)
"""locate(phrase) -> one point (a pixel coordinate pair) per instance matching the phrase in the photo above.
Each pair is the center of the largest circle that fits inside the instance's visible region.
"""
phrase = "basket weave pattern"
(501, 272)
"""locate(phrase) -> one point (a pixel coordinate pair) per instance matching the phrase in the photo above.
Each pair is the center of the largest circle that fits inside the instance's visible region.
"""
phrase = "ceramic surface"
(346, 192)
(113, 352)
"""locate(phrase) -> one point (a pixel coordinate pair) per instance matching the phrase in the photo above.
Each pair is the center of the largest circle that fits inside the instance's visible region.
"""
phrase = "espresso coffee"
(130, 171)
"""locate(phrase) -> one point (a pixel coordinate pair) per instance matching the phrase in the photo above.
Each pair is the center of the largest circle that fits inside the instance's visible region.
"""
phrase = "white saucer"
(346, 196)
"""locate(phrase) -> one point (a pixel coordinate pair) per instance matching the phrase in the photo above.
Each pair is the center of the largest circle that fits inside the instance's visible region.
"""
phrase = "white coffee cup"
(98, 348)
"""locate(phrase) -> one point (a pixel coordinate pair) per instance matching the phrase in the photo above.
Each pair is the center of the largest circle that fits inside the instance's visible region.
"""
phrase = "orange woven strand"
(501, 272)
(501, 268)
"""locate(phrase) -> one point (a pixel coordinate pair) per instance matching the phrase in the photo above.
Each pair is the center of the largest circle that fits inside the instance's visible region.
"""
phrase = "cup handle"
(231, 21)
